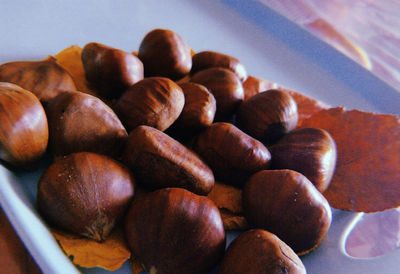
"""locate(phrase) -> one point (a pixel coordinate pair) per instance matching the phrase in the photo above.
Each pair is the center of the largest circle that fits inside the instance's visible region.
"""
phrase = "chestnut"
(82, 122)
(172, 230)
(164, 53)
(226, 88)
(159, 161)
(197, 114)
(85, 193)
(254, 85)
(286, 203)
(232, 154)
(268, 115)
(259, 251)
(310, 151)
(45, 78)
(110, 71)
(24, 131)
(210, 59)
(153, 101)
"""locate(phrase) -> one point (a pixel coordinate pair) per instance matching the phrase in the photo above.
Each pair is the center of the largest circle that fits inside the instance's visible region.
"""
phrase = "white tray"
(268, 44)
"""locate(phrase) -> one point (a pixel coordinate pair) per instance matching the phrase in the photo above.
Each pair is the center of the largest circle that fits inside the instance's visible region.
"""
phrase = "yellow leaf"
(70, 60)
(110, 254)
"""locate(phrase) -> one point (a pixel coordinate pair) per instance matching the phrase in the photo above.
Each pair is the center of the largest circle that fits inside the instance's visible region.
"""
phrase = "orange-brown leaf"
(254, 85)
(227, 197)
(110, 254)
(306, 106)
(233, 221)
(367, 173)
(70, 60)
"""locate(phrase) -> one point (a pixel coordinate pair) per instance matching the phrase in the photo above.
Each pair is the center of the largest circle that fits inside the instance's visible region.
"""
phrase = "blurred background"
(365, 30)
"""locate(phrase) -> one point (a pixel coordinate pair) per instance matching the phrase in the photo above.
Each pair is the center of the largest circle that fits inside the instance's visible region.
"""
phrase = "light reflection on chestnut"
(153, 101)
(197, 114)
(232, 154)
(286, 203)
(82, 122)
(172, 230)
(85, 193)
(310, 151)
(159, 161)
(259, 251)
(211, 59)
(24, 131)
(45, 78)
(110, 71)
(226, 88)
(164, 53)
(268, 115)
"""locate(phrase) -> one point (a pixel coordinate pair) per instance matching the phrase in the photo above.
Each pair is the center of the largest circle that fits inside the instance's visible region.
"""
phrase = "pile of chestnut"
(171, 122)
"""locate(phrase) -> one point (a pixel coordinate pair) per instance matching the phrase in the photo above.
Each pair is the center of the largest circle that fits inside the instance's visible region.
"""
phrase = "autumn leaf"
(110, 254)
(233, 221)
(254, 85)
(70, 60)
(306, 106)
(367, 172)
(228, 199)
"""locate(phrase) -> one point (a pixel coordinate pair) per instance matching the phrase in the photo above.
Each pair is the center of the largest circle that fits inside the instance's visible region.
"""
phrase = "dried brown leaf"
(110, 254)
(306, 106)
(70, 60)
(254, 85)
(233, 221)
(367, 174)
(227, 197)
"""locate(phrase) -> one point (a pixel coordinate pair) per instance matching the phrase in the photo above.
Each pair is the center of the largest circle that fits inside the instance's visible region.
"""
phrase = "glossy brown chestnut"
(286, 203)
(198, 111)
(85, 193)
(268, 115)
(211, 59)
(159, 161)
(153, 101)
(173, 230)
(232, 154)
(259, 251)
(45, 78)
(24, 132)
(110, 71)
(254, 85)
(82, 122)
(226, 88)
(164, 53)
(310, 151)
